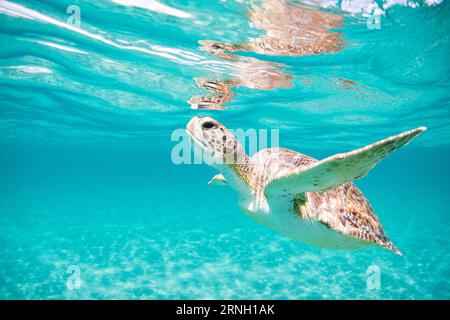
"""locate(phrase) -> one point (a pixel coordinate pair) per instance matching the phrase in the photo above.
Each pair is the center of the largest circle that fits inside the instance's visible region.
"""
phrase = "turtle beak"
(192, 124)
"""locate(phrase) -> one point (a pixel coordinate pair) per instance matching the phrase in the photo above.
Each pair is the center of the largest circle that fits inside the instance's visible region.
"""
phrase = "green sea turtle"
(303, 198)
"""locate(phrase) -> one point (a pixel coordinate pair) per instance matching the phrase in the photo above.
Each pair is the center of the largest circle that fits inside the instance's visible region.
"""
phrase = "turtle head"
(216, 141)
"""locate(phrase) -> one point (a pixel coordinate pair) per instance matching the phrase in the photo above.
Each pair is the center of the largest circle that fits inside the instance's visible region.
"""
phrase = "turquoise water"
(86, 175)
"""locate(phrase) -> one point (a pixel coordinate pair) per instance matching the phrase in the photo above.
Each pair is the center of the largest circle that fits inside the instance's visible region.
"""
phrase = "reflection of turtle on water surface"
(289, 31)
(220, 93)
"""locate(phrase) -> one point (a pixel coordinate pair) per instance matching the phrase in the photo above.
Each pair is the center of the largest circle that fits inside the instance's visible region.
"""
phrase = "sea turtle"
(303, 198)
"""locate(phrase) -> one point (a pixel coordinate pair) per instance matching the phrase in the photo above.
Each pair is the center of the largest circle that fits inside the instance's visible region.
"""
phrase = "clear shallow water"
(87, 179)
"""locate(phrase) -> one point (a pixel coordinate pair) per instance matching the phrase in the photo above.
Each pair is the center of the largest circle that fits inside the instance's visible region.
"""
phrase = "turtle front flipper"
(338, 169)
(218, 180)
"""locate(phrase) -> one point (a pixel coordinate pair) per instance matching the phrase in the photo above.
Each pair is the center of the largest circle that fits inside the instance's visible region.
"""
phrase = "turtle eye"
(208, 125)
